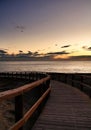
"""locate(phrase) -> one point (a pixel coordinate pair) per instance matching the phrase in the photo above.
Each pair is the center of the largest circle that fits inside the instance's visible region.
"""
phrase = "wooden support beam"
(19, 108)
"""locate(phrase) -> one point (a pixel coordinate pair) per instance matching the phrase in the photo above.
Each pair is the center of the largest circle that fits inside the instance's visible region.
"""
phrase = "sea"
(47, 66)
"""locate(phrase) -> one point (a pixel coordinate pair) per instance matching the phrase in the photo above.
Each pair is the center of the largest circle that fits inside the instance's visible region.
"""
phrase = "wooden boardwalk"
(67, 109)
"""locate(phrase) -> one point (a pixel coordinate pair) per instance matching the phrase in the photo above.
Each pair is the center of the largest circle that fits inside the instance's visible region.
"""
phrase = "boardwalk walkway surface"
(67, 109)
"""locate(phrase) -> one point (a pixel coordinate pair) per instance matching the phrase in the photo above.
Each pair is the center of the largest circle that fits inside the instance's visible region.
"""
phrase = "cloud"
(39, 56)
(58, 53)
(28, 54)
(35, 54)
(20, 51)
(84, 47)
(21, 28)
(81, 58)
(3, 51)
(65, 46)
(87, 48)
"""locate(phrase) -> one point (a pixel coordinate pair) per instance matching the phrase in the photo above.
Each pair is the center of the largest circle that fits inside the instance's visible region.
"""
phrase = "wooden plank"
(67, 109)
(31, 111)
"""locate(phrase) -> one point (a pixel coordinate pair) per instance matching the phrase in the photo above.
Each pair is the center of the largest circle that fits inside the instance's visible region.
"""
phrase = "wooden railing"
(81, 80)
(23, 75)
(40, 92)
(37, 92)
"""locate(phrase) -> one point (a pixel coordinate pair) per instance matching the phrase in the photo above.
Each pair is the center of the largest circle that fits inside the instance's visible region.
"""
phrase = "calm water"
(47, 66)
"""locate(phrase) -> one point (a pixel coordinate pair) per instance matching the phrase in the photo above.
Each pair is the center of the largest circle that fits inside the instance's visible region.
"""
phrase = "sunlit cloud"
(58, 57)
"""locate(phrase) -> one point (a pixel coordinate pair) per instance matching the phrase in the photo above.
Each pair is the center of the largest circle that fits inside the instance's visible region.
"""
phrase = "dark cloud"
(87, 48)
(21, 54)
(29, 53)
(65, 46)
(20, 51)
(38, 56)
(3, 52)
(58, 53)
(35, 54)
(80, 58)
(20, 28)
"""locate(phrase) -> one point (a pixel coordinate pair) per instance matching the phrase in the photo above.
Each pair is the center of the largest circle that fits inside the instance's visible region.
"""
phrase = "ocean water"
(47, 66)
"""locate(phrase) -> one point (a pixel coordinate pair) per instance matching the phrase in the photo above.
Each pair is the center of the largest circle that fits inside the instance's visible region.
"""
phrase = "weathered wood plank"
(67, 109)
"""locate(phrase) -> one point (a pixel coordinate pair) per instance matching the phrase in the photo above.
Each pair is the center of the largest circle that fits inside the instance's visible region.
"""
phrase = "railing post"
(65, 78)
(25, 75)
(81, 86)
(21, 75)
(72, 80)
(19, 108)
(90, 93)
(12, 75)
(47, 86)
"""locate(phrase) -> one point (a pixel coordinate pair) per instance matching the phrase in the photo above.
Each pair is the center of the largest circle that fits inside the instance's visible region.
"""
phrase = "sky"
(60, 28)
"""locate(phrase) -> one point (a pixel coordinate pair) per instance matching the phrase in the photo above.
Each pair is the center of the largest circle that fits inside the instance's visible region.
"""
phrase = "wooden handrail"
(86, 85)
(18, 94)
(21, 122)
(71, 78)
(15, 92)
(85, 76)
